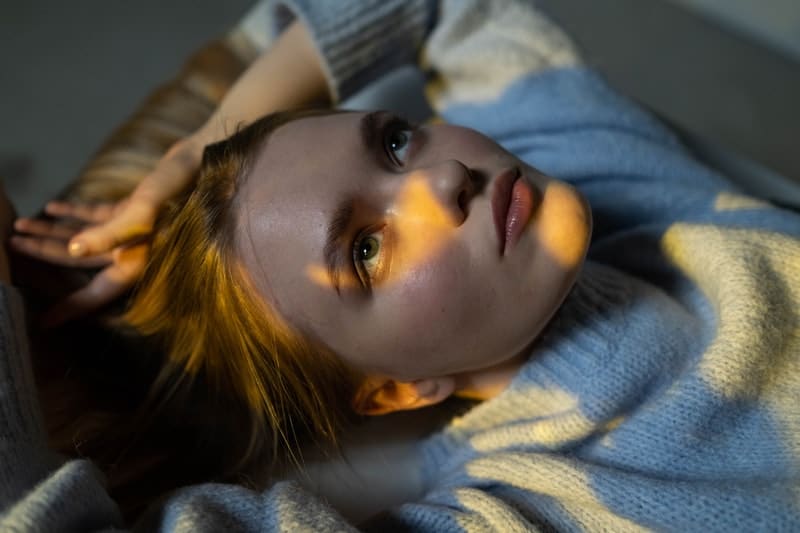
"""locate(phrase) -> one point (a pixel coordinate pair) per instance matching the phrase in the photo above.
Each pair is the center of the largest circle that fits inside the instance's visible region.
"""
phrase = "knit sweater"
(661, 396)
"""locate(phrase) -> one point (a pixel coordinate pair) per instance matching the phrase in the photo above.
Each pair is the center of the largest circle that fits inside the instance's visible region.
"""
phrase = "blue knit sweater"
(662, 396)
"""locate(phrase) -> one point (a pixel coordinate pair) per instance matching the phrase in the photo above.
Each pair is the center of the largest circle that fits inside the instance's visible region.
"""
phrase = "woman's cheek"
(430, 303)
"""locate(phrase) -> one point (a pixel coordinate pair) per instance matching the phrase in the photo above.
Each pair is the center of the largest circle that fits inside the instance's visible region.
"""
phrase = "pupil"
(398, 140)
(368, 248)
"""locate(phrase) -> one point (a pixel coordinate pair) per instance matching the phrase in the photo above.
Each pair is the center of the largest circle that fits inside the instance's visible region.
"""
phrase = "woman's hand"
(288, 76)
(133, 219)
(47, 240)
(112, 237)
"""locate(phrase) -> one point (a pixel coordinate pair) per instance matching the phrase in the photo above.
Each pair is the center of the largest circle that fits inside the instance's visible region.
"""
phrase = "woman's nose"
(451, 184)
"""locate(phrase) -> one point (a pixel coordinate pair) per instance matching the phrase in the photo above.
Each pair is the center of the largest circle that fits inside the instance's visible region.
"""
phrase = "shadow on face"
(410, 251)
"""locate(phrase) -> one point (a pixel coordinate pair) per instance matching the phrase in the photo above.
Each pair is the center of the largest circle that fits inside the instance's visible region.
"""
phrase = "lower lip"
(519, 212)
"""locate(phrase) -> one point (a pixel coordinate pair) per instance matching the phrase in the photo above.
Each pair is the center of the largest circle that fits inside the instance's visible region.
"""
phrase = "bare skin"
(445, 313)
(287, 76)
(427, 302)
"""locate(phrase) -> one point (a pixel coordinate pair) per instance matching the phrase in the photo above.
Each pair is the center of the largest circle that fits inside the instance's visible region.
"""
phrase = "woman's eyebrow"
(335, 253)
(369, 127)
(334, 250)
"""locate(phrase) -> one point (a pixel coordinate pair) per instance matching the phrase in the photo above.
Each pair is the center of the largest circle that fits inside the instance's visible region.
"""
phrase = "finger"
(45, 228)
(93, 213)
(54, 251)
(130, 261)
(104, 288)
(135, 221)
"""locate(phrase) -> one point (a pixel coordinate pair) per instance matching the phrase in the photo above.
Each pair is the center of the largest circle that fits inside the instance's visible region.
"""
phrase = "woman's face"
(412, 253)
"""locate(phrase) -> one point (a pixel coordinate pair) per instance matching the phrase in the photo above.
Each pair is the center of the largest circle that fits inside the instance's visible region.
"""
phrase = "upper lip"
(501, 199)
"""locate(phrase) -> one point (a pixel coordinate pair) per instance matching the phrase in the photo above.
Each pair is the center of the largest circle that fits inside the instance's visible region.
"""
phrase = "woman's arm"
(290, 74)
(360, 40)
(37, 491)
(505, 68)
(287, 75)
(455, 504)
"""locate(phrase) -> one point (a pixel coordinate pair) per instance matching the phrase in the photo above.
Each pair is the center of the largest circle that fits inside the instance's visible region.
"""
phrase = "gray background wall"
(73, 70)
(728, 70)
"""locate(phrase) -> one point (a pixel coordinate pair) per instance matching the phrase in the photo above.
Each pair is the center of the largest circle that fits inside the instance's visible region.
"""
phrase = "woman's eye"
(397, 143)
(368, 255)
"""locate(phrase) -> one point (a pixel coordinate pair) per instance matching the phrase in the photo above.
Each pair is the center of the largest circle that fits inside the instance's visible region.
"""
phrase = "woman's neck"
(487, 383)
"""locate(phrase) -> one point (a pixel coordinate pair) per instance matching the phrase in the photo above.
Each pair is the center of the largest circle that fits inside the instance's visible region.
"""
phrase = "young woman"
(329, 263)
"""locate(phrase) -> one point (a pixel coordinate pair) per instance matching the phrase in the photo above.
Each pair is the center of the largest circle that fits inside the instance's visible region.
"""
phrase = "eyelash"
(360, 268)
(392, 126)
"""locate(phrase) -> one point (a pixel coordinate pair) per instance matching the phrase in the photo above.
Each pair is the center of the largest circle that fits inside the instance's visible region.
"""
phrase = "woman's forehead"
(286, 202)
(312, 151)
(301, 130)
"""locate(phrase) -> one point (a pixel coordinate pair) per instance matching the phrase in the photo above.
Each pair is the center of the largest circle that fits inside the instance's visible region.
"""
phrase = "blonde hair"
(200, 380)
(196, 300)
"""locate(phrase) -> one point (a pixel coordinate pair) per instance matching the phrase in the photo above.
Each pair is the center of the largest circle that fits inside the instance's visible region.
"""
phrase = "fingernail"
(76, 249)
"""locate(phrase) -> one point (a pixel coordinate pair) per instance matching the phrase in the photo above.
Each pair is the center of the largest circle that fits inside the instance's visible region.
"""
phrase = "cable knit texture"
(361, 40)
(662, 396)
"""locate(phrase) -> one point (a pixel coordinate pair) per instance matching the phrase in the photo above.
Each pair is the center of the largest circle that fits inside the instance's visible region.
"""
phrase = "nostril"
(474, 179)
(477, 181)
(463, 198)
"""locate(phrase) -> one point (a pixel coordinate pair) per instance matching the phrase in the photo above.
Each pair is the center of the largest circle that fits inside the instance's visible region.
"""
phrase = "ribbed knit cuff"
(360, 40)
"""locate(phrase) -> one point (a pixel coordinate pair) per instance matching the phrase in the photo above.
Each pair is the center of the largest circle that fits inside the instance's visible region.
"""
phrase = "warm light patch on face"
(422, 225)
(561, 225)
(419, 225)
(319, 275)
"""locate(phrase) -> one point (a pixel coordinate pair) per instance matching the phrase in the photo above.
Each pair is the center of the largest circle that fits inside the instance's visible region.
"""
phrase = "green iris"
(368, 247)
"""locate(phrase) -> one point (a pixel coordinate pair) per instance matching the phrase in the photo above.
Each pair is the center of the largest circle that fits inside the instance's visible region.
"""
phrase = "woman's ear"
(380, 396)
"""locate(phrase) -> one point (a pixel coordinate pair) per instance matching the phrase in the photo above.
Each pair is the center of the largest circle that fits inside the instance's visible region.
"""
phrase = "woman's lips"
(512, 206)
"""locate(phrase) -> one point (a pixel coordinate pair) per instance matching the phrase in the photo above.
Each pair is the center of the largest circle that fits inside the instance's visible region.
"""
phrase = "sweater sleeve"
(544, 107)
(23, 460)
(501, 67)
(507, 70)
(360, 40)
(504, 68)
(39, 491)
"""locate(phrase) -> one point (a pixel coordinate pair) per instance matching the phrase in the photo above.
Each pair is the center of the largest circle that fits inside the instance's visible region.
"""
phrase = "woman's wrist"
(175, 171)
(289, 75)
